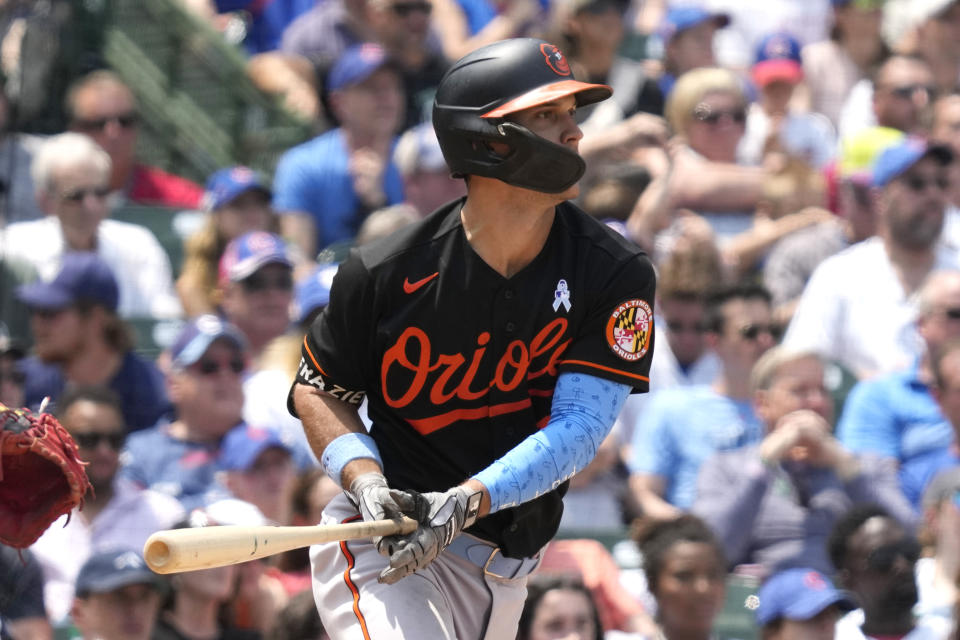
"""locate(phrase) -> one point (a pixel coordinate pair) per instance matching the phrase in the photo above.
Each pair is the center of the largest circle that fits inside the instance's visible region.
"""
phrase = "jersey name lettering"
(413, 352)
(309, 376)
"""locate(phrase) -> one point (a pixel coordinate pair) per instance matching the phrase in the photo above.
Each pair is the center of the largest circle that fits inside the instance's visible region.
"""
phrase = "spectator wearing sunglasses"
(114, 514)
(256, 286)
(698, 170)
(875, 558)
(773, 503)
(906, 416)
(103, 107)
(71, 175)
(900, 96)
(80, 340)
(206, 363)
(682, 427)
(859, 306)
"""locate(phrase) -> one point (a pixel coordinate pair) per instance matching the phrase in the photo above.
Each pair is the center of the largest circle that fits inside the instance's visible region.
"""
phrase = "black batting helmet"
(486, 85)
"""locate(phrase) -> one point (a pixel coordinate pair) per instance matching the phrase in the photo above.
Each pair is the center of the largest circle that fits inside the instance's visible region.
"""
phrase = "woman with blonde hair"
(237, 201)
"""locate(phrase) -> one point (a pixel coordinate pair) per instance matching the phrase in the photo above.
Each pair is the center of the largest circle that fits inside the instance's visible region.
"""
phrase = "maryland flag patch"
(629, 329)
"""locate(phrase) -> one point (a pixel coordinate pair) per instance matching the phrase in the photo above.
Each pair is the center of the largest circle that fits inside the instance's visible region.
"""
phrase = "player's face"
(260, 305)
(554, 121)
(912, 205)
(819, 627)
(98, 430)
(127, 613)
(690, 588)
(563, 614)
(796, 385)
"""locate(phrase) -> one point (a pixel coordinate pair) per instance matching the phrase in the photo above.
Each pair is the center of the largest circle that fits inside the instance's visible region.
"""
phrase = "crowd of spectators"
(790, 165)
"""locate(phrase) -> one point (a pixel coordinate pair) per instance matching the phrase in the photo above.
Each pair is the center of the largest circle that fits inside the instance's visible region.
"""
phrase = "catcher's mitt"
(41, 477)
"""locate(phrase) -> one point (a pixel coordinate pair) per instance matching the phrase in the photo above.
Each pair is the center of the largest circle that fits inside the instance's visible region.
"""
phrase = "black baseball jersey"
(458, 363)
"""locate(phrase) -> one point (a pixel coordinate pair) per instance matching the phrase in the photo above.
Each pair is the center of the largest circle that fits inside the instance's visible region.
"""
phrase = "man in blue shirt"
(324, 188)
(896, 416)
(682, 427)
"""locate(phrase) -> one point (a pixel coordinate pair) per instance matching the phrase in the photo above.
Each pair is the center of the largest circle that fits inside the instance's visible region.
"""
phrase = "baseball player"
(495, 342)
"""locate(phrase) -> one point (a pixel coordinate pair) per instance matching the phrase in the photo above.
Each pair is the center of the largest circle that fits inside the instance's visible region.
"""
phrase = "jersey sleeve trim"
(313, 359)
(608, 369)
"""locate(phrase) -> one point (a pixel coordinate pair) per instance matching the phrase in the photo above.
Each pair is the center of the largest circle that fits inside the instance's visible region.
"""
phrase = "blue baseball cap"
(109, 570)
(245, 255)
(313, 292)
(686, 17)
(197, 336)
(356, 64)
(83, 276)
(899, 157)
(226, 184)
(777, 58)
(799, 594)
(243, 445)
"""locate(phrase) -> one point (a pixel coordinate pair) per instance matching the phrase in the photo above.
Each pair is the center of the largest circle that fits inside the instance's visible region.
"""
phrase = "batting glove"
(376, 501)
(442, 516)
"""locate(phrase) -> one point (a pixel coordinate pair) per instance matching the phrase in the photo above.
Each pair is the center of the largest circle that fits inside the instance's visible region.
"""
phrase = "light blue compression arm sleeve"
(583, 412)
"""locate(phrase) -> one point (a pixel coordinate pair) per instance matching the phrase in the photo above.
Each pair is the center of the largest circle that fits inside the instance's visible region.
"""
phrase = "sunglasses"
(92, 440)
(906, 92)
(125, 120)
(211, 367)
(883, 558)
(918, 184)
(753, 331)
(703, 113)
(262, 282)
(79, 195)
(952, 313)
(404, 9)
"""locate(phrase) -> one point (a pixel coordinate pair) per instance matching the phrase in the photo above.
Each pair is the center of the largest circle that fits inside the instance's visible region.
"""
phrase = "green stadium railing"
(201, 111)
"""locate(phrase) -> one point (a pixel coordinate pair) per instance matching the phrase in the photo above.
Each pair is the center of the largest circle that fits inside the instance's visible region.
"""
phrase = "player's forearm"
(325, 419)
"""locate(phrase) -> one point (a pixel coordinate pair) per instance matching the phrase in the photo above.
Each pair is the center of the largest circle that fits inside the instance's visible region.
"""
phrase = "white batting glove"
(442, 516)
(377, 501)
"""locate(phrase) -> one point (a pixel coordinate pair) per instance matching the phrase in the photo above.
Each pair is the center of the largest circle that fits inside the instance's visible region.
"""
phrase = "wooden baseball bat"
(178, 550)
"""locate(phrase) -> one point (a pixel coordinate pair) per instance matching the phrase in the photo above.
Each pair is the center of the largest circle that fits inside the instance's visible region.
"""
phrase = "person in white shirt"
(859, 307)
(71, 175)
(114, 515)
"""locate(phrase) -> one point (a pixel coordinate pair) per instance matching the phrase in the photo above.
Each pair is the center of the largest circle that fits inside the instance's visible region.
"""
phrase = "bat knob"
(157, 554)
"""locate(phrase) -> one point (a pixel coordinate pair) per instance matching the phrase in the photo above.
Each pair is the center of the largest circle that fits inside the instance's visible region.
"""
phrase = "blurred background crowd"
(179, 180)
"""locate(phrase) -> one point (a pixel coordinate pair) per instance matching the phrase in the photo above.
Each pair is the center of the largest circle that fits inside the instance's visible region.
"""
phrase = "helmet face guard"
(487, 85)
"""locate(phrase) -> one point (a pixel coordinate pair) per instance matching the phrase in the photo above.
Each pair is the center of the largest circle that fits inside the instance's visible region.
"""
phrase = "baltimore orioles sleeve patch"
(629, 329)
